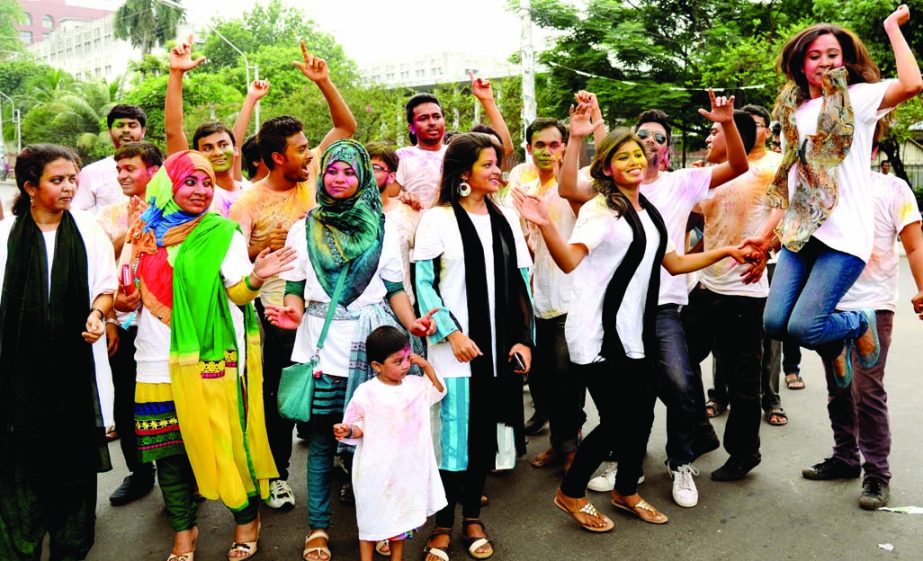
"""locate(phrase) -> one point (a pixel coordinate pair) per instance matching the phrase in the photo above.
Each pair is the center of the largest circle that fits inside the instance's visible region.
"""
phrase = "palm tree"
(147, 23)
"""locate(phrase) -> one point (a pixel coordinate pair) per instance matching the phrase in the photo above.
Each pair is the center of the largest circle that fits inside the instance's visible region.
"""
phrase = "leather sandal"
(246, 550)
(383, 547)
(474, 544)
(589, 510)
(642, 509)
(181, 556)
(319, 551)
(438, 552)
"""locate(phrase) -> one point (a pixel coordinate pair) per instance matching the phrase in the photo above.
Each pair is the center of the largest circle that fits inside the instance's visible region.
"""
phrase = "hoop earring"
(464, 189)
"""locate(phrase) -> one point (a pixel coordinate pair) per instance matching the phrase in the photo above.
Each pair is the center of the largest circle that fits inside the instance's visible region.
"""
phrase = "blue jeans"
(689, 432)
(805, 289)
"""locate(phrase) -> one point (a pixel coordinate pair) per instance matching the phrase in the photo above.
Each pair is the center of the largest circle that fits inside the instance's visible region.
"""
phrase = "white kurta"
(102, 280)
(395, 476)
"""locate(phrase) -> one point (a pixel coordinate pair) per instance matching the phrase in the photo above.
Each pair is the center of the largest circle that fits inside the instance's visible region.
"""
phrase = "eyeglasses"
(659, 137)
(376, 167)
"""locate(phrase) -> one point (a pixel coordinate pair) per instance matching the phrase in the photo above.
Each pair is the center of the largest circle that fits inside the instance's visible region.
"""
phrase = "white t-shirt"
(552, 288)
(438, 235)
(334, 357)
(223, 199)
(152, 345)
(102, 280)
(895, 206)
(607, 238)
(850, 226)
(674, 194)
(734, 212)
(98, 186)
(419, 172)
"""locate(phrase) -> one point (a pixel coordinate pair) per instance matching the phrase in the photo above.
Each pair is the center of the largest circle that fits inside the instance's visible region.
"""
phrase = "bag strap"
(334, 301)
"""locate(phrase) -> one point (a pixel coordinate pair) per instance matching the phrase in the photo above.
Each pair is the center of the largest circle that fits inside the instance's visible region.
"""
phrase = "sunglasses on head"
(659, 137)
(376, 167)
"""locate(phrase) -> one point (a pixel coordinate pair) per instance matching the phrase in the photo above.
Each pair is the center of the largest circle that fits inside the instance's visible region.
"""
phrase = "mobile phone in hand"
(519, 363)
(125, 279)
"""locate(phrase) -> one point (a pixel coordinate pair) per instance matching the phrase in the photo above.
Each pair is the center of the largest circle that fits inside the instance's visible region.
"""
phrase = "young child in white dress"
(395, 477)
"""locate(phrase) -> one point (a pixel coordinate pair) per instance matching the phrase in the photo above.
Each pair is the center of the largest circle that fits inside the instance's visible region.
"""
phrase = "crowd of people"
(404, 294)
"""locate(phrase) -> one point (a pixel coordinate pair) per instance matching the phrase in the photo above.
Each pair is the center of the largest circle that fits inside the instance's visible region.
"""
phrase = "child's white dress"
(395, 477)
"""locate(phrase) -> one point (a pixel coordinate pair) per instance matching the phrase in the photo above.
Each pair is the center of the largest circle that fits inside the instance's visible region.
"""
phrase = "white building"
(436, 68)
(89, 50)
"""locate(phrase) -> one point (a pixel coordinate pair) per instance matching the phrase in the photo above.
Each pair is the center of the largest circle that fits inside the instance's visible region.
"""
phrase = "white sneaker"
(605, 481)
(280, 495)
(684, 492)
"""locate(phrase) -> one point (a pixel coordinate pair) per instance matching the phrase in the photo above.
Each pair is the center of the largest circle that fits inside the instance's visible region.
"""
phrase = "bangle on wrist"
(102, 316)
(349, 433)
(257, 277)
(113, 321)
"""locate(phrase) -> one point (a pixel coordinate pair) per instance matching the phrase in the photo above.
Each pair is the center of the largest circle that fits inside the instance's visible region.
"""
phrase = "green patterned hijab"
(346, 231)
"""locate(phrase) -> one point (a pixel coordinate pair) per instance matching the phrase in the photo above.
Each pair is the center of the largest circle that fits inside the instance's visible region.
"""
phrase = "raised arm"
(909, 82)
(596, 114)
(181, 61)
(722, 112)
(481, 89)
(257, 90)
(581, 126)
(344, 125)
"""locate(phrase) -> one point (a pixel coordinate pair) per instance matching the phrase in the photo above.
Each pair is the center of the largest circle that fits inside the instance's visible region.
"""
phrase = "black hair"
(746, 126)
(210, 128)
(542, 123)
(758, 111)
(882, 163)
(30, 165)
(412, 103)
(460, 157)
(149, 153)
(602, 181)
(125, 111)
(384, 342)
(273, 136)
(250, 152)
(385, 152)
(655, 116)
(487, 130)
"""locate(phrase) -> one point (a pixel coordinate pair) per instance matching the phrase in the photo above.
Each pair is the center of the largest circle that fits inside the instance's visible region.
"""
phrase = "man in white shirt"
(98, 184)
(859, 412)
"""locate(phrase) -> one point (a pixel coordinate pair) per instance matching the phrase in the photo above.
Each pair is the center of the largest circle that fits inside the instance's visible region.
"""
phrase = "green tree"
(11, 14)
(147, 23)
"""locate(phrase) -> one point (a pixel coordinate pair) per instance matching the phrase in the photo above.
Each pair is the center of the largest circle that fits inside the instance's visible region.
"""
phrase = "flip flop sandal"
(781, 419)
(546, 459)
(473, 544)
(589, 510)
(794, 381)
(383, 547)
(643, 510)
(316, 534)
(714, 408)
(439, 552)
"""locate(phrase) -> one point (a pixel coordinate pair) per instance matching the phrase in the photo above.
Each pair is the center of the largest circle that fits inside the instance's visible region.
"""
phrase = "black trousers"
(124, 377)
(624, 395)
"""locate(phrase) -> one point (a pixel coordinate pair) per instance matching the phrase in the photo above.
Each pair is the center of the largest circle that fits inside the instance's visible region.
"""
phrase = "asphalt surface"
(773, 514)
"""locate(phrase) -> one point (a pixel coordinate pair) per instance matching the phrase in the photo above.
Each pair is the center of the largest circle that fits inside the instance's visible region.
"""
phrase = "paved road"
(773, 514)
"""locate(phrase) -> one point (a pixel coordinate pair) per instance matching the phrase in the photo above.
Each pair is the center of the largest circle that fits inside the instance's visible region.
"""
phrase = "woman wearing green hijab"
(346, 231)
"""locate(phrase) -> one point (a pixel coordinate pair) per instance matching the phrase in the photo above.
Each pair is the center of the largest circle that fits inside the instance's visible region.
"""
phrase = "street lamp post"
(15, 114)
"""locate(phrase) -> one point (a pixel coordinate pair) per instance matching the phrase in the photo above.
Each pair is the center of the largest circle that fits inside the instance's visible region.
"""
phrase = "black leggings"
(624, 395)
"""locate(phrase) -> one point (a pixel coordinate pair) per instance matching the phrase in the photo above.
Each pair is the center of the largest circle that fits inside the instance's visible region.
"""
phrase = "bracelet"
(113, 321)
(102, 316)
(350, 433)
(257, 277)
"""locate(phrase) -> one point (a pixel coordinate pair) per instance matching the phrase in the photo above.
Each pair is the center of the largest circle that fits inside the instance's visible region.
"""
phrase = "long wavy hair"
(460, 156)
(615, 199)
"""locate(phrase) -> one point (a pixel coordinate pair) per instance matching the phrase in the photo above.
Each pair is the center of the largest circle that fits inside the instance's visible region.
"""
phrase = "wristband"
(350, 433)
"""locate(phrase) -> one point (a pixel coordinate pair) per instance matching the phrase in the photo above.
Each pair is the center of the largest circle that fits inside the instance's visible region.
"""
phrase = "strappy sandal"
(715, 408)
(248, 549)
(473, 544)
(318, 550)
(383, 547)
(438, 552)
(642, 509)
(589, 510)
(181, 556)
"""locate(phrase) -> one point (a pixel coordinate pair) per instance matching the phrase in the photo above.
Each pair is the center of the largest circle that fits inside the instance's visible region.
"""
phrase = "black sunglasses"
(661, 138)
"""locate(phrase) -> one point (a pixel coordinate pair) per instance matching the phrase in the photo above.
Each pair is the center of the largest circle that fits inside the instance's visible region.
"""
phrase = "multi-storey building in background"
(43, 17)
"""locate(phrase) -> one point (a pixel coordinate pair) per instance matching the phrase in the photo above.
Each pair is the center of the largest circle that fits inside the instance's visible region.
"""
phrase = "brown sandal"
(587, 510)
(439, 552)
(642, 509)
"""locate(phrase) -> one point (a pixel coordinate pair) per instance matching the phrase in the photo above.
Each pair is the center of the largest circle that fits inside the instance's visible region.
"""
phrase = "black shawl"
(494, 399)
(51, 415)
(612, 349)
